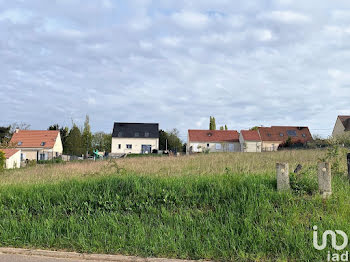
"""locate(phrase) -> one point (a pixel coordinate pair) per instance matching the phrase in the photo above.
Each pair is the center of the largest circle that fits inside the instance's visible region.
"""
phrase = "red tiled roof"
(34, 138)
(281, 133)
(213, 136)
(251, 135)
(9, 152)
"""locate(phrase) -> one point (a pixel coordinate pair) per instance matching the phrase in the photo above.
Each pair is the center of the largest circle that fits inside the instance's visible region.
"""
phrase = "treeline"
(81, 141)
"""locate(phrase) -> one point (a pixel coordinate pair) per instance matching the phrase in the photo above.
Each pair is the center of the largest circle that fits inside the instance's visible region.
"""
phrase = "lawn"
(223, 207)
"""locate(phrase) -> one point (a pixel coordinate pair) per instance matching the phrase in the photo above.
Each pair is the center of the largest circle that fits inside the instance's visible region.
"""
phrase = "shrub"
(2, 160)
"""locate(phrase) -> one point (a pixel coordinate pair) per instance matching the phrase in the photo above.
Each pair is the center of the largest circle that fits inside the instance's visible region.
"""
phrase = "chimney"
(17, 130)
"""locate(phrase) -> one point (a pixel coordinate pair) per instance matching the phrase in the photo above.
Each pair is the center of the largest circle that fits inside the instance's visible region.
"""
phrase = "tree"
(172, 138)
(221, 128)
(5, 134)
(54, 127)
(226, 127)
(254, 128)
(212, 124)
(21, 126)
(74, 142)
(2, 160)
(102, 141)
(87, 136)
(174, 142)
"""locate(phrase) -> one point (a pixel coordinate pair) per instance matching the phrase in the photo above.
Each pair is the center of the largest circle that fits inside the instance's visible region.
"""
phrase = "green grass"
(236, 217)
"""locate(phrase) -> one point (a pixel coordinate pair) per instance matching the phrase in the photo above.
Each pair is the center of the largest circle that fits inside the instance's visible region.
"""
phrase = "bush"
(52, 161)
(305, 182)
(2, 160)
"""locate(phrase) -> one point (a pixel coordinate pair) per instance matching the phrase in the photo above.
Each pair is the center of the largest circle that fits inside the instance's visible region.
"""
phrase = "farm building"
(341, 126)
(250, 141)
(213, 141)
(274, 136)
(37, 144)
(135, 138)
(13, 157)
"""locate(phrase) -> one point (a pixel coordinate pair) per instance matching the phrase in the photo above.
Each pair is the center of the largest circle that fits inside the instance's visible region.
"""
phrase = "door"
(146, 149)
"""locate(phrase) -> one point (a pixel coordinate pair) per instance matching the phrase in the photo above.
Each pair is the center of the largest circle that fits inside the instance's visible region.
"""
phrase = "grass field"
(223, 207)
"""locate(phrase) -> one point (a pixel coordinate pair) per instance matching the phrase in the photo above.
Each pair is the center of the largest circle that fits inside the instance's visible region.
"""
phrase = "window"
(119, 146)
(56, 154)
(146, 134)
(129, 146)
(43, 143)
(19, 143)
(281, 134)
(208, 145)
(291, 133)
(218, 146)
(137, 134)
(120, 134)
(303, 135)
(210, 134)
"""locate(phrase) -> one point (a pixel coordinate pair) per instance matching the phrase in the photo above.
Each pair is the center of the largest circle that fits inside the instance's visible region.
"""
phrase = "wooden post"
(282, 170)
(348, 158)
(325, 179)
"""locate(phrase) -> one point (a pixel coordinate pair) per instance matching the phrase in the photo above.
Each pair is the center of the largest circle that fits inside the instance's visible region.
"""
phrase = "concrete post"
(324, 179)
(282, 170)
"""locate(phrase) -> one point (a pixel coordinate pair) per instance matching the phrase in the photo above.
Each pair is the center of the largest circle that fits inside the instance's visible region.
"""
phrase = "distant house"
(213, 141)
(37, 144)
(135, 138)
(272, 137)
(13, 157)
(250, 141)
(341, 126)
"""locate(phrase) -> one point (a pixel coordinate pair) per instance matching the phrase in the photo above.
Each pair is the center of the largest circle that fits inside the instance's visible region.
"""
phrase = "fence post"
(348, 160)
(282, 170)
(325, 179)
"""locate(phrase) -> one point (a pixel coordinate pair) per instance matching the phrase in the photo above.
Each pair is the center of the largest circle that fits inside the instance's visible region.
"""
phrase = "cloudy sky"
(246, 62)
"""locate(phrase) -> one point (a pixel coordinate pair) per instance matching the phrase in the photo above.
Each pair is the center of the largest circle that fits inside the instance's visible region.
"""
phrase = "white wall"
(249, 146)
(214, 147)
(136, 144)
(14, 161)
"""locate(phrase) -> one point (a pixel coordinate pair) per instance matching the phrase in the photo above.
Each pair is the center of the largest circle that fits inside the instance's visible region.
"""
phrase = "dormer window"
(43, 143)
(210, 134)
(303, 135)
(19, 143)
(120, 134)
(269, 134)
(137, 134)
(146, 134)
(281, 134)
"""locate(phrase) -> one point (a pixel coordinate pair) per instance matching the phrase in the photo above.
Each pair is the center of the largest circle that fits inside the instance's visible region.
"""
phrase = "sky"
(246, 62)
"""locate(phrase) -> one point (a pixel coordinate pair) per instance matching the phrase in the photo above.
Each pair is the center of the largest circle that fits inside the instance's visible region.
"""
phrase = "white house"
(13, 157)
(37, 144)
(250, 141)
(135, 138)
(213, 141)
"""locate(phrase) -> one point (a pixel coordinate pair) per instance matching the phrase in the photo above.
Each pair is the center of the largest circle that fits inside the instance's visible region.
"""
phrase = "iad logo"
(333, 236)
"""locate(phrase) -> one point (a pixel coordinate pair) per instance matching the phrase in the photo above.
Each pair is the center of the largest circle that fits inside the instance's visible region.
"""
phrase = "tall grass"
(226, 217)
(216, 206)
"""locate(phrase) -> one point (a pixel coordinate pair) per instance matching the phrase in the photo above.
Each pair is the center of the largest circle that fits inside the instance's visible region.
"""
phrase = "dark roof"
(345, 121)
(281, 133)
(135, 130)
(213, 135)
